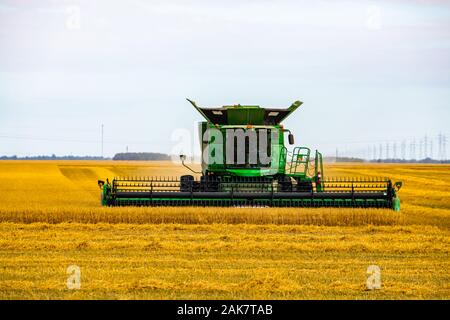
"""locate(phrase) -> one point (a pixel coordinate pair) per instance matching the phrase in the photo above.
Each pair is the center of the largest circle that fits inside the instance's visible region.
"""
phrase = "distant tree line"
(141, 156)
(53, 157)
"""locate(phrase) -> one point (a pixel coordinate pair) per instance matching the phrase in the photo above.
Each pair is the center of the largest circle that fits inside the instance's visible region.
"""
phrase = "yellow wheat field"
(50, 218)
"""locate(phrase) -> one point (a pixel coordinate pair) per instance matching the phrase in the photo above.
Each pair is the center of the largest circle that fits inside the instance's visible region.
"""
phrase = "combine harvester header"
(246, 162)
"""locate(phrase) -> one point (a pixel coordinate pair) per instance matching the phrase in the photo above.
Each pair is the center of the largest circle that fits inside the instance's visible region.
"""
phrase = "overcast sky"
(368, 72)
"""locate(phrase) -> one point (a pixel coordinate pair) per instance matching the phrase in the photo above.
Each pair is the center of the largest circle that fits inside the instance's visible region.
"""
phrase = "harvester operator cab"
(249, 141)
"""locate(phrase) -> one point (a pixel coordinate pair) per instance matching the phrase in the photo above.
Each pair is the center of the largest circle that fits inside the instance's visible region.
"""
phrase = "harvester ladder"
(299, 160)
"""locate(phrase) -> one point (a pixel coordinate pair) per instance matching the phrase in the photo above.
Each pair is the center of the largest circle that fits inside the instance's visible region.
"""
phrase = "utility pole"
(381, 151)
(374, 152)
(395, 150)
(387, 150)
(431, 148)
(413, 150)
(403, 150)
(444, 147)
(420, 149)
(425, 147)
(102, 138)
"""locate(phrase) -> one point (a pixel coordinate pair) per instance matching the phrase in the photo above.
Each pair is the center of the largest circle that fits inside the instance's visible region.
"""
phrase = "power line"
(444, 147)
(413, 150)
(403, 146)
(102, 138)
(431, 149)
(420, 148)
(94, 141)
(48, 139)
(424, 147)
(442, 153)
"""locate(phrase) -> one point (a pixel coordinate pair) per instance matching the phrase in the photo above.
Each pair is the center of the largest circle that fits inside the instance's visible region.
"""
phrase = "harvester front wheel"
(188, 184)
(209, 184)
(304, 186)
(285, 184)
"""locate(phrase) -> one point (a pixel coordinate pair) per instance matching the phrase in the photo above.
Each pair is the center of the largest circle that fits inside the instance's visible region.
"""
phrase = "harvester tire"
(304, 186)
(209, 184)
(285, 184)
(187, 183)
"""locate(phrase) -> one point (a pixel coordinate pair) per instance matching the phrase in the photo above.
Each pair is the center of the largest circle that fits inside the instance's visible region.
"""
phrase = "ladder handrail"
(297, 157)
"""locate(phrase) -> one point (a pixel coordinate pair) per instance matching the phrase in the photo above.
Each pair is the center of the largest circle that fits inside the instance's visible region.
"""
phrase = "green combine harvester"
(246, 162)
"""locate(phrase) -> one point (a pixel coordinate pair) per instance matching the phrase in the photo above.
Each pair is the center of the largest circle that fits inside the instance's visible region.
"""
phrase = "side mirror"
(182, 157)
(291, 139)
